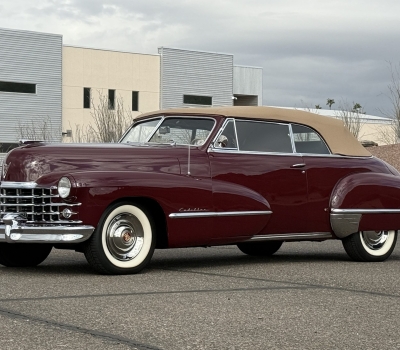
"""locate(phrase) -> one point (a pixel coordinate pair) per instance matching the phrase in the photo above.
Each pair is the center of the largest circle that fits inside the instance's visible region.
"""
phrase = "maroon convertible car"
(251, 176)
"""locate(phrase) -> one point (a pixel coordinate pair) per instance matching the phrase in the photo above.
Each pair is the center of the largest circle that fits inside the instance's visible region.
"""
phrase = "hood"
(31, 162)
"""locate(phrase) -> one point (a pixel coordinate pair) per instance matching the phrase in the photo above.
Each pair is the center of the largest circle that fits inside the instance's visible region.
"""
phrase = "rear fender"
(365, 202)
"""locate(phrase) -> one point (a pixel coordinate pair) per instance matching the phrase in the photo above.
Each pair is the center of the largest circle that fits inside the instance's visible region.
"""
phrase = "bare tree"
(351, 116)
(391, 134)
(39, 129)
(109, 122)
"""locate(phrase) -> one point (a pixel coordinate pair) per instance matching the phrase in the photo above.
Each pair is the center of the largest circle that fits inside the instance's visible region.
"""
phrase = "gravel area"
(389, 153)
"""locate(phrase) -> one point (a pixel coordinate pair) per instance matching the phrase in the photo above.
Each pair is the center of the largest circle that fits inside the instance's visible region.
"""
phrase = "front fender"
(365, 202)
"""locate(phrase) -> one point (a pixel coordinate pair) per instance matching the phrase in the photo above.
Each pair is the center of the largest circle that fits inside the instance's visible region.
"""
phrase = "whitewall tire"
(123, 242)
(370, 245)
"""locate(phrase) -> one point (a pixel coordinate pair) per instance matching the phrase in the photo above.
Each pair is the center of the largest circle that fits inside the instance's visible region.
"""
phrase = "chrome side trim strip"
(365, 211)
(292, 237)
(206, 214)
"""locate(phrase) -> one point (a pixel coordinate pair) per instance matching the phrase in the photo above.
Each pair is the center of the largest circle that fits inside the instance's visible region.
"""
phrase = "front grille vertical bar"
(33, 204)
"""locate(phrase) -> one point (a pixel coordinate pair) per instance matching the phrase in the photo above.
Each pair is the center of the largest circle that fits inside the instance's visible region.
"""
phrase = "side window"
(263, 137)
(306, 140)
(227, 139)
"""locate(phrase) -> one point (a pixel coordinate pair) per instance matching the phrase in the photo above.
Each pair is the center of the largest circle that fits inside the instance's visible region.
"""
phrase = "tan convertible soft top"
(339, 139)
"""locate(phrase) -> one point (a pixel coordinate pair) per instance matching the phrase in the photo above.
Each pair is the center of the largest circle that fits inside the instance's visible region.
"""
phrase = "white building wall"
(33, 58)
(185, 72)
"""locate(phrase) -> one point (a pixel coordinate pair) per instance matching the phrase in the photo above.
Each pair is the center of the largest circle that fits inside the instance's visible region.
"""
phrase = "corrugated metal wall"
(248, 81)
(36, 58)
(185, 72)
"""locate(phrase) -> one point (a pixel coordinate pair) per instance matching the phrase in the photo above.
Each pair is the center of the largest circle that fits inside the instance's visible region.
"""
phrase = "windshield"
(184, 131)
(141, 132)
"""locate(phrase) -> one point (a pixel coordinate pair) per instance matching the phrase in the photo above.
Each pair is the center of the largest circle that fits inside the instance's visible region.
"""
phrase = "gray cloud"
(309, 50)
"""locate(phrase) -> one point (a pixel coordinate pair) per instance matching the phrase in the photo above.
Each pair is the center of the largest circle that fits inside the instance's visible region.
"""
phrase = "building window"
(24, 88)
(197, 100)
(86, 97)
(111, 99)
(135, 100)
(7, 147)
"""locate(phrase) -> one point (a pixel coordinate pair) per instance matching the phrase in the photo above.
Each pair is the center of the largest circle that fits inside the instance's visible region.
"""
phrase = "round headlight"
(64, 187)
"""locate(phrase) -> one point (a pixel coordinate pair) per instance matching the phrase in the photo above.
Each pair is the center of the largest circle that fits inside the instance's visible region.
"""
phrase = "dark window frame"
(197, 100)
(111, 98)
(87, 98)
(19, 88)
(135, 101)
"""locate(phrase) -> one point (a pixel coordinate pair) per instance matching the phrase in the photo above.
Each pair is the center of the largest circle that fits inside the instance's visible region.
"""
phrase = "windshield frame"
(163, 117)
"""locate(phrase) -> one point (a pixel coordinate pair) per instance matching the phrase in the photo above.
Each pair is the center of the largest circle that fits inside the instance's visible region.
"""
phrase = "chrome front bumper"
(15, 230)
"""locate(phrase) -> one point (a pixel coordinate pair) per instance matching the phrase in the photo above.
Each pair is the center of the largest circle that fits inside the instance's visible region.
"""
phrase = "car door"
(254, 169)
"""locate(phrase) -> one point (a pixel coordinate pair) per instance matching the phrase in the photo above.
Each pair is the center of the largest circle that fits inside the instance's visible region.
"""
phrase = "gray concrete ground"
(307, 296)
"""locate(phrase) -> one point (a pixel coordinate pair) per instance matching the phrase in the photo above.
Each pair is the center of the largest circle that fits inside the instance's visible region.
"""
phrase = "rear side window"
(263, 137)
(306, 140)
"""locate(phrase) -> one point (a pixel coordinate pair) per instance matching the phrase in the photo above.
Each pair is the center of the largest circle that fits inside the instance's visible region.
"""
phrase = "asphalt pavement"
(307, 296)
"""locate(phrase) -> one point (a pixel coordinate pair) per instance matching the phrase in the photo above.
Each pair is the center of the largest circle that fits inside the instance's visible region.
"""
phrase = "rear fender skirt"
(363, 202)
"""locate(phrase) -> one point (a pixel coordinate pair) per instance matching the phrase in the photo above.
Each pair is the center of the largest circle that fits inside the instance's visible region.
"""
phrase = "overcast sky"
(309, 50)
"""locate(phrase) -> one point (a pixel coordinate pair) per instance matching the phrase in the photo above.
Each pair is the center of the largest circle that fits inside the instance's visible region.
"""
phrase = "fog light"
(67, 213)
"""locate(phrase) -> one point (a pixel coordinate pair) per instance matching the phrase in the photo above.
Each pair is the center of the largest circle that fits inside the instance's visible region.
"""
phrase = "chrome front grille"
(38, 205)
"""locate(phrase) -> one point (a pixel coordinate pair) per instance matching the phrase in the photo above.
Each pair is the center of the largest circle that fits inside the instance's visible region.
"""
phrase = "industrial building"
(42, 79)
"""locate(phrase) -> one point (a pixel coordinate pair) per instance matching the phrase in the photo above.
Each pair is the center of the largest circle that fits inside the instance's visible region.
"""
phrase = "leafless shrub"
(39, 129)
(391, 134)
(351, 115)
(109, 124)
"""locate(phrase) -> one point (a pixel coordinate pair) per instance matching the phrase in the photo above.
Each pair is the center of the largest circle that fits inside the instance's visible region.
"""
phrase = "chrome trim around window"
(365, 211)
(206, 214)
(292, 138)
(292, 237)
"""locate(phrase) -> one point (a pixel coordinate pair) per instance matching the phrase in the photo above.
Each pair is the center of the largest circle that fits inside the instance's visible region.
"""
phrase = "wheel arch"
(154, 209)
(364, 202)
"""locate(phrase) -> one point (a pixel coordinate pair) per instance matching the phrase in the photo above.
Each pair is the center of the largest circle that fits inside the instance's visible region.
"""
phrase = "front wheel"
(123, 242)
(260, 248)
(370, 245)
(23, 254)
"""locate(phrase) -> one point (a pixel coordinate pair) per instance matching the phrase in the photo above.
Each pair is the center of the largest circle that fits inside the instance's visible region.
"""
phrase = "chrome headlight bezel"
(64, 187)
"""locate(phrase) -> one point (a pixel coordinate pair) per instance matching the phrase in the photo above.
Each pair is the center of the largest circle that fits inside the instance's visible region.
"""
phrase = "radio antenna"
(189, 160)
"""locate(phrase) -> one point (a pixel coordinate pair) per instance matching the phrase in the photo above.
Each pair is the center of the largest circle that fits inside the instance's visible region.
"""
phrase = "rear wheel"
(23, 254)
(370, 245)
(260, 248)
(123, 242)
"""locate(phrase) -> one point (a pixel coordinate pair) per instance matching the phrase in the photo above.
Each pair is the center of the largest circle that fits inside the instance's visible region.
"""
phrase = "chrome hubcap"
(124, 237)
(374, 239)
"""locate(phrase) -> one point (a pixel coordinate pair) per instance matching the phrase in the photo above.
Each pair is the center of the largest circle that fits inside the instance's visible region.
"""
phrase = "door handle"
(300, 165)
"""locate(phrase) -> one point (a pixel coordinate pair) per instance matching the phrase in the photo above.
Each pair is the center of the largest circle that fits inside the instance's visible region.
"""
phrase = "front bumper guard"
(16, 230)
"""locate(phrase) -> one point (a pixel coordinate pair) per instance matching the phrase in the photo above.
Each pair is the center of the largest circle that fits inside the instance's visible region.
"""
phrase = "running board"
(310, 236)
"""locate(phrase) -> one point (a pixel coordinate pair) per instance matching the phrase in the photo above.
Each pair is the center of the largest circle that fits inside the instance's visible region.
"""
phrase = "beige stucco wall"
(382, 134)
(101, 70)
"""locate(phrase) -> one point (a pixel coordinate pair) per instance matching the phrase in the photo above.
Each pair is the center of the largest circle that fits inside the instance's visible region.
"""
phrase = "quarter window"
(227, 139)
(306, 140)
(263, 137)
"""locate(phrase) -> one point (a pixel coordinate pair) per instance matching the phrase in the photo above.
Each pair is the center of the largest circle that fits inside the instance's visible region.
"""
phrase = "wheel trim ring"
(374, 240)
(388, 244)
(124, 237)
